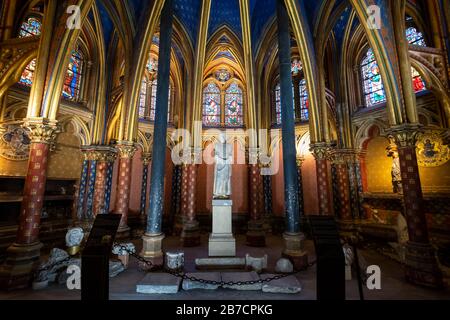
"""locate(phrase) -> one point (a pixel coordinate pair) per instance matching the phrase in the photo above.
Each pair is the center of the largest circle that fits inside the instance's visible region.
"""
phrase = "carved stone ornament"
(126, 150)
(405, 135)
(320, 151)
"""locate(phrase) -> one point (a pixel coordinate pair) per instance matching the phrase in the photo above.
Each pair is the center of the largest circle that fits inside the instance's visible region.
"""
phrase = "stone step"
(159, 283)
(210, 276)
(288, 284)
(241, 277)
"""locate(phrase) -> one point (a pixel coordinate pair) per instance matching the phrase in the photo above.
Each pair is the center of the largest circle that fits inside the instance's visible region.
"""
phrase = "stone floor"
(123, 286)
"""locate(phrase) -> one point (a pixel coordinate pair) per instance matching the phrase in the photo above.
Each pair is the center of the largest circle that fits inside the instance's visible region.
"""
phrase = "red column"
(126, 152)
(323, 180)
(23, 255)
(104, 156)
(421, 265)
(255, 233)
(190, 235)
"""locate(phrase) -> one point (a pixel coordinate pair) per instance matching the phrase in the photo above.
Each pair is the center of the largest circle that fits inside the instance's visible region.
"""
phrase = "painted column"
(293, 237)
(190, 235)
(152, 239)
(320, 151)
(301, 203)
(341, 186)
(176, 198)
(108, 187)
(23, 254)
(146, 159)
(90, 189)
(267, 191)
(126, 151)
(82, 188)
(421, 265)
(104, 156)
(255, 234)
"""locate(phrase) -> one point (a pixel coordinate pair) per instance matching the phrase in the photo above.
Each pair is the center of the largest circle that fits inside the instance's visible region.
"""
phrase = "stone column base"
(18, 270)
(294, 251)
(256, 236)
(123, 232)
(421, 265)
(152, 248)
(190, 235)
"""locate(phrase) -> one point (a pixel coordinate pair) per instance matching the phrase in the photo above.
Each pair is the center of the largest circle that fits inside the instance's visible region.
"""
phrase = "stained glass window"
(152, 65)
(28, 74)
(372, 84)
(30, 27)
(304, 102)
(415, 37)
(418, 83)
(296, 67)
(277, 94)
(153, 99)
(143, 99)
(233, 106)
(211, 105)
(72, 82)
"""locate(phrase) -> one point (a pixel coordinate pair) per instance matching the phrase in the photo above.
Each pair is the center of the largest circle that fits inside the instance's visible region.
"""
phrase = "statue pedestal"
(221, 240)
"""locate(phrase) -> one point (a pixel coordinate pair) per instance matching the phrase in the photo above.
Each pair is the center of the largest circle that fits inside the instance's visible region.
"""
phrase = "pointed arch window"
(30, 27)
(372, 84)
(302, 106)
(304, 101)
(233, 106)
(72, 81)
(143, 98)
(211, 105)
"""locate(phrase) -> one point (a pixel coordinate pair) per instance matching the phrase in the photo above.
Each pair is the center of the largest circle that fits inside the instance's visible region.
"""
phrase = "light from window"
(28, 74)
(418, 83)
(277, 94)
(211, 105)
(143, 98)
(304, 102)
(72, 82)
(372, 84)
(233, 106)
(415, 37)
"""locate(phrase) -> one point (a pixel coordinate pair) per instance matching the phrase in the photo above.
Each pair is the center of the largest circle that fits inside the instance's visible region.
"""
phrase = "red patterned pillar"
(126, 151)
(255, 233)
(190, 235)
(23, 254)
(342, 186)
(320, 151)
(421, 265)
(104, 156)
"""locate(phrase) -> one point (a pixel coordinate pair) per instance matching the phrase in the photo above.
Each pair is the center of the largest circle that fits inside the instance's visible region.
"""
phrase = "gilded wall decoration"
(431, 152)
(15, 143)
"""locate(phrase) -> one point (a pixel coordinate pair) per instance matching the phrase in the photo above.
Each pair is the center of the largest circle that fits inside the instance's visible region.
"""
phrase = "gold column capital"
(146, 158)
(405, 135)
(321, 150)
(100, 153)
(42, 130)
(125, 149)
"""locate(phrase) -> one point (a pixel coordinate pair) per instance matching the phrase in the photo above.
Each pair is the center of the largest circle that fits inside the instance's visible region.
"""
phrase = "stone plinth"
(221, 240)
(242, 277)
(220, 263)
(152, 248)
(288, 284)
(159, 283)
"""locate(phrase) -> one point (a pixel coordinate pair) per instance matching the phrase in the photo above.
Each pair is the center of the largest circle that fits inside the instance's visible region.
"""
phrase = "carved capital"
(100, 153)
(146, 158)
(125, 149)
(42, 130)
(405, 135)
(252, 156)
(321, 151)
(342, 156)
(299, 161)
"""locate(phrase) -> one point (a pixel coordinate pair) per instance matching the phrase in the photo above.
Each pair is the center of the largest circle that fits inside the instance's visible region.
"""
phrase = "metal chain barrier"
(184, 276)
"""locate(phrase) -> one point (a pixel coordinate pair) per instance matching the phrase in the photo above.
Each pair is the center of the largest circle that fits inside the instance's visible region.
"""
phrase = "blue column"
(155, 211)
(109, 177)
(82, 189)
(90, 189)
(301, 206)
(288, 125)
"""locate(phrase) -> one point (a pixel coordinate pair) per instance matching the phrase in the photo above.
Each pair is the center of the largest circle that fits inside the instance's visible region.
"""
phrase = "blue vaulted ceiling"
(225, 12)
(188, 12)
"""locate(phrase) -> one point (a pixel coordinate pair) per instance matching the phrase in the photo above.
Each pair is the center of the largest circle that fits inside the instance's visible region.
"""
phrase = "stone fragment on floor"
(210, 276)
(288, 284)
(241, 277)
(159, 283)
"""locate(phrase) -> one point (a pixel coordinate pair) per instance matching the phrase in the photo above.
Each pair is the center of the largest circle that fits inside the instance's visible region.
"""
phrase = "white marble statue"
(223, 156)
